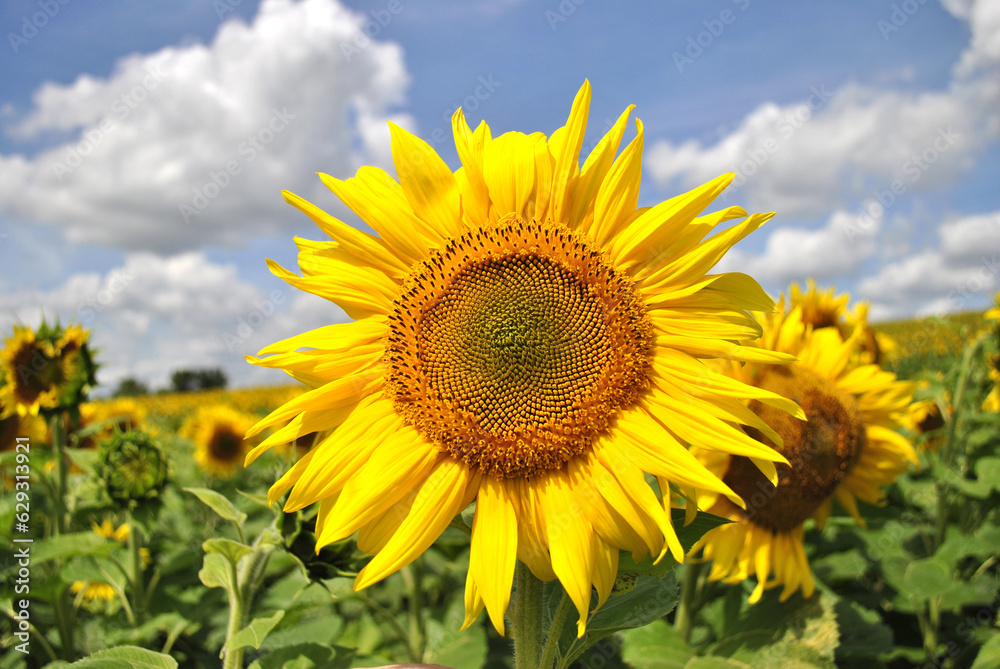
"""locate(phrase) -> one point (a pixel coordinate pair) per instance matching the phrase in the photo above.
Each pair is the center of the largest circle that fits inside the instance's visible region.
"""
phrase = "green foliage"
(187, 380)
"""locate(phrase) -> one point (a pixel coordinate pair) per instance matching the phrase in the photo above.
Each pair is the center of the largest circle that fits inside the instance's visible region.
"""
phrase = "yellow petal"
(618, 196)
(437, 502)
(363, 246)
(570, 539)
(595, 168)
(566, 154)
(427, 181)
(494, 547)
(398, 465)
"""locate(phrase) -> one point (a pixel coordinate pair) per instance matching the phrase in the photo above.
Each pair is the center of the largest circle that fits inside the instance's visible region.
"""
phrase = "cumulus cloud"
(835, 148)
(153, 315)
(956, 274)
(217, 128)
(832, 251)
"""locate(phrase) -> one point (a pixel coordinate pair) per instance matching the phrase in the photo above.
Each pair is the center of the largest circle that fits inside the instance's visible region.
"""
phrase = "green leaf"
(231, 550)
(126, 657)
(989, 654)
(655, 646)
(862, 633)
(711, 662)
(255, 498)
(650, 599)
(810, 638)
(254, 633)
(71, 545)
(217, 572)
(306, 656)
(688, 536)
(219, 503)
(988, 471)
(450, 647)
(927, 578)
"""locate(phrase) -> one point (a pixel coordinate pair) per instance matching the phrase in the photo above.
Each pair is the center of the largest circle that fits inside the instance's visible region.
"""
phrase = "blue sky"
(115, 116)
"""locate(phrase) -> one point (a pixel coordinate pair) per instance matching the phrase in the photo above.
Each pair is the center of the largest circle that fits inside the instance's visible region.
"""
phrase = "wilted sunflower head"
(218, 435)
(47, 370)
(133, 469)
(847, 448)
(525, 336)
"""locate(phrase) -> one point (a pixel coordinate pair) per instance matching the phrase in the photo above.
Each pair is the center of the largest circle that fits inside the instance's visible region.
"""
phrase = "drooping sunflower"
(524, 336)
(218, 435)
(50, 369)
(847, 450)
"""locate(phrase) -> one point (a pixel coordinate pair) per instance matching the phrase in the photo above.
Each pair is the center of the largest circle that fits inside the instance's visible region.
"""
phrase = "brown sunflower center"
(225, 445)
(821, 451)
(512, 347)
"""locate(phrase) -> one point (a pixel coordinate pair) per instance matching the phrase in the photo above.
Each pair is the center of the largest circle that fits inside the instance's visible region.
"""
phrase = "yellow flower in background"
(820, 309)
(47, 369)
(123, 413)
(823, 309)
(847, 451)
(218, 435)
(524, 336)
(98, 591)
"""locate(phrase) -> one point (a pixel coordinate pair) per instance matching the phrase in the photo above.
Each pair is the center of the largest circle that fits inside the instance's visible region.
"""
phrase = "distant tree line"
(181, 381)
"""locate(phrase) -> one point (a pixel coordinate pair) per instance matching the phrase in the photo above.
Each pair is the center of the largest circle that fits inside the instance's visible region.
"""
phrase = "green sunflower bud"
(133, 468)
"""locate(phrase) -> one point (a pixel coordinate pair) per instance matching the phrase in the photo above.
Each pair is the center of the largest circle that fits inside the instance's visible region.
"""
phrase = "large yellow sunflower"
(525, 336)
(218, 435)
(847, 450)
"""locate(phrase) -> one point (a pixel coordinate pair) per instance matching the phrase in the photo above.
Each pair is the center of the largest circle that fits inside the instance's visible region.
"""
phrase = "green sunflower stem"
(411, 575)
(57, 425)
(138, 587)
(529, 608)
(686, 608)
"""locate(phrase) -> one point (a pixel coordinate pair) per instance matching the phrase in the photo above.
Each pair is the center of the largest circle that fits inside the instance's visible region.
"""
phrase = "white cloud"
(275, 100)
(956, 274)
(153, 315)
(791, 254)
(838, 147)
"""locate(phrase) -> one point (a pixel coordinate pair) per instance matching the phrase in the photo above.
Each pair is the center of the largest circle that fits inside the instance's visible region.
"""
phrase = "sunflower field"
(543, 407)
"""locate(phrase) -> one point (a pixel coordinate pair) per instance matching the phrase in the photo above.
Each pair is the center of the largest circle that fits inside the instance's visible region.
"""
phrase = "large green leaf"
(219, 503)
(927, 578)
(650, 599)
(254, 633)
(126, 657)
(655, 646)
(450, 646)
(217, 572)
(862, 633)
(989, 654)
(71, 545)
(306, 656)
(231, 550)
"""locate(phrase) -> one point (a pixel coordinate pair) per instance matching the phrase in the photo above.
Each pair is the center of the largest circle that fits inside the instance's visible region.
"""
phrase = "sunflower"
(823, 309)
(523, 336)
(217, 432)
(847, 450)
(98, 420)
(50, 369)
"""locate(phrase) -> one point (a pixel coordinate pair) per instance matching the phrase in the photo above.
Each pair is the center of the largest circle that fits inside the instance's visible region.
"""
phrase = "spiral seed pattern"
(513, 347)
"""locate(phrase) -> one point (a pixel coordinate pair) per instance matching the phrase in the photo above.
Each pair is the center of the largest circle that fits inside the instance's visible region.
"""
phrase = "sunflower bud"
(133, 468)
